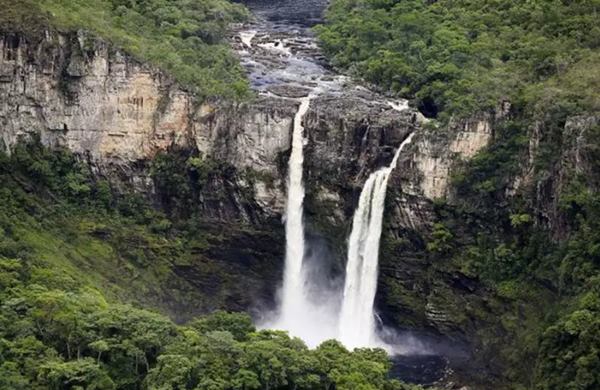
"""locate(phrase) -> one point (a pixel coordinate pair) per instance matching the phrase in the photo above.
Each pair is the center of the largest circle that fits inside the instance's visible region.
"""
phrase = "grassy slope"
(78, 232)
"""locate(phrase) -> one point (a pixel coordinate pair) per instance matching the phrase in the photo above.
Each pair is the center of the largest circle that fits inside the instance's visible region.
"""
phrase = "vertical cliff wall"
(76, 91)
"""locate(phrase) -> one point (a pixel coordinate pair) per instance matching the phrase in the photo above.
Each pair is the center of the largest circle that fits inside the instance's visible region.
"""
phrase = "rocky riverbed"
(282, 57)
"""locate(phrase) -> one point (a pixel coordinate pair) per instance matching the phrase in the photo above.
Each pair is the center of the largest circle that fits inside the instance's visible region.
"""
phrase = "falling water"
(357, 323)
(247, 36)
(309, 306)
(293, 297)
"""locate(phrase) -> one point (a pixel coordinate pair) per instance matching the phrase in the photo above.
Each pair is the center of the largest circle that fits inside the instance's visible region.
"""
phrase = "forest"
(460, 57)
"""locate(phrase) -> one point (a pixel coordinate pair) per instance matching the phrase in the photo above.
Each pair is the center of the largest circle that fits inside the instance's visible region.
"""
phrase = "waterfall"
(293, 297)
(357, 323)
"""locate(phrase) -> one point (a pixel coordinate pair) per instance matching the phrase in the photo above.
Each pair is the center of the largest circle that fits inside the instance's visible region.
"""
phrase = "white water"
(277, 46)
(357, 317)
(297, 314)
(247, 36)
(293, 298)
(401, 105)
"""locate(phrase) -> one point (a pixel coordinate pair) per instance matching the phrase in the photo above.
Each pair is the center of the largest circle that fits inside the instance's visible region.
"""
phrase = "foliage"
(569, 348)
(239, 325)
(459, 57)
(18, 17)
(182, 37)
(79, 228)
(539, 255)
(180, 176)
(56, 339)
(441, 239)
(59, 331)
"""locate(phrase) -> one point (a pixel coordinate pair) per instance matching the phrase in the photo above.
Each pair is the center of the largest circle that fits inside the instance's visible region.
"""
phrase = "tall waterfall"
(357, 324)
(293, 297)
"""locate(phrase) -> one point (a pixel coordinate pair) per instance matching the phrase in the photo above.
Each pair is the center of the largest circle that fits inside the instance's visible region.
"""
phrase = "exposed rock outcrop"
(575, 157)
(79, 92)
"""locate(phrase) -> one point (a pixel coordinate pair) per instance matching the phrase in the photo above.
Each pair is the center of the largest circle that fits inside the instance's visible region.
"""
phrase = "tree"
(238, 324)
(82, 373)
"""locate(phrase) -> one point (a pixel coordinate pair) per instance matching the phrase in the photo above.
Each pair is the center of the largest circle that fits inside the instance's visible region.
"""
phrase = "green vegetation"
(569, 349)
(56, 339)
(81, 230)
(459, 57)
(72, 251)
(535, 248)
(79, 260)
(527, 290)
(547, 285)
(184, 38)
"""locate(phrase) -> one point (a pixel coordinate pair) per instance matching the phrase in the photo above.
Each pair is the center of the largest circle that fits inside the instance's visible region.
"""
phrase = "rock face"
(78, 92)
(575, 157)
(436, 153)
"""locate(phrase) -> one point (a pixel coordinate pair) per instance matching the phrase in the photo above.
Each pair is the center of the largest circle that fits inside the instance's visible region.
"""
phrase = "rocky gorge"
(76, 91)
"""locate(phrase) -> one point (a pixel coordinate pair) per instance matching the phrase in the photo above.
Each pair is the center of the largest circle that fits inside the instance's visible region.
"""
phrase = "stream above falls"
(280, 53)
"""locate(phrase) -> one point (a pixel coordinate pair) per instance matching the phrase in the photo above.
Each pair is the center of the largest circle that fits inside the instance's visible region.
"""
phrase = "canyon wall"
(79, 92)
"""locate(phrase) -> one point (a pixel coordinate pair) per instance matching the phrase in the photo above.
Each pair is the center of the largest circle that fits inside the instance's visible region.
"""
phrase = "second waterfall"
(357, 317)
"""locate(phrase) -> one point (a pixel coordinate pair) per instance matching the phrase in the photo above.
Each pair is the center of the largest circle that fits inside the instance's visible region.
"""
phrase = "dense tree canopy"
(56, 339)
(462, 56)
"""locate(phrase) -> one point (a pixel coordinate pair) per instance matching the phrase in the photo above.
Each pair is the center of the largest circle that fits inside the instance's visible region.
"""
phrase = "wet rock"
(287, 90)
